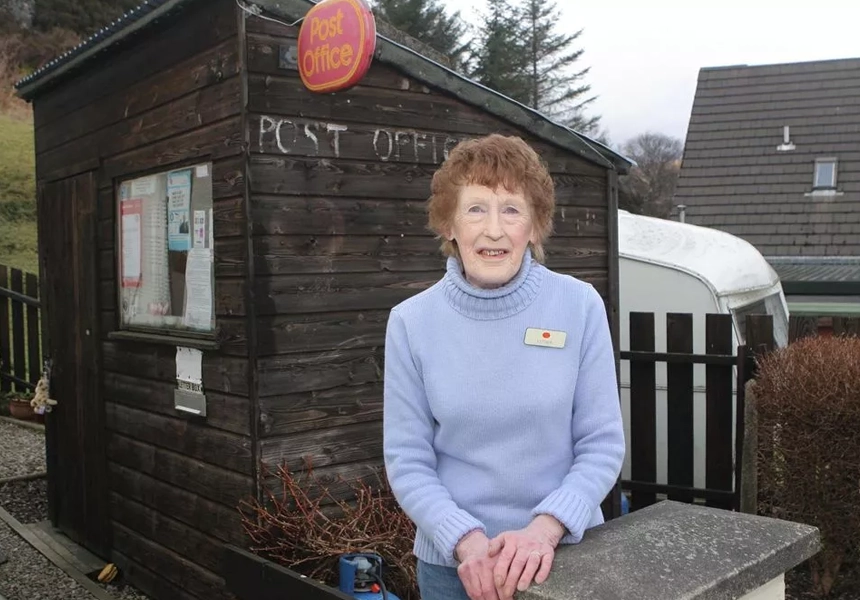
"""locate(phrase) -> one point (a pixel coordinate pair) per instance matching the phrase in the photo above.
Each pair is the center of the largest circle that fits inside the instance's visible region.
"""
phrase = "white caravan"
(671, 267)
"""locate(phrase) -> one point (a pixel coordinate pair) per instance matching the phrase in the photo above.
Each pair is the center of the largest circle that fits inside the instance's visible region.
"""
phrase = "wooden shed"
(219, 250)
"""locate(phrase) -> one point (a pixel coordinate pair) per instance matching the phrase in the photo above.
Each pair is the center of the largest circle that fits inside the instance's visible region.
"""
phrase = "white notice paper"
(179, 190)
(189, 369)
(144, 186)
(199, 228)
(198, 289)
(130, 232)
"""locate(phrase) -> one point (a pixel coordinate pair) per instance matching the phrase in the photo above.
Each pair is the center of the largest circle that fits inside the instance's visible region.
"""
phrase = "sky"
(645, 55)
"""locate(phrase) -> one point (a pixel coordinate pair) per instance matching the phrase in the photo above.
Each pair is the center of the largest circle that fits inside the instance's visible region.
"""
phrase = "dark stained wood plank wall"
(171, 99)
(207, 106)
(183, 436)
(224, 411)
(145, 579)
(338, 187)
(170, 564)
(169, 498)
(335, 481)
(286, 414)
(162, 87)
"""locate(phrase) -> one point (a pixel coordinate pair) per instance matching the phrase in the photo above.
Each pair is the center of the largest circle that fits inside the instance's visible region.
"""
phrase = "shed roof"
(814, 268)
(402, 57)
(734, 176)
(726, 262)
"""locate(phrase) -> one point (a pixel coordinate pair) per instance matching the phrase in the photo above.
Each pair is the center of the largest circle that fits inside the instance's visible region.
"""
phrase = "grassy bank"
(18, 242)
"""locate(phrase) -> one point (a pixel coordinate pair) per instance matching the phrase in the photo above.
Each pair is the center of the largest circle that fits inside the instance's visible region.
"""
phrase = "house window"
(825, 173)
(165, 251)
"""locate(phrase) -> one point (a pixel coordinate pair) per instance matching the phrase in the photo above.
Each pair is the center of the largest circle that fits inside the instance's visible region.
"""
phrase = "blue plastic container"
(355, 576)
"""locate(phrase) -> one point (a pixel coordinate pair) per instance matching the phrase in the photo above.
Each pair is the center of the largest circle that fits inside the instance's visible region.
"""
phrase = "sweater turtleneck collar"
(496, 303)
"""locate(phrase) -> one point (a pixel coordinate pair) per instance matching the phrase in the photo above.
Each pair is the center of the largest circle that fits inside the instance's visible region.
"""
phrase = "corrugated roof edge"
(390, 51)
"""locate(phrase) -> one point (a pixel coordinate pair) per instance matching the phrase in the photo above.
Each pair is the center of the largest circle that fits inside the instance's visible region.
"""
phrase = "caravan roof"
(725, 262)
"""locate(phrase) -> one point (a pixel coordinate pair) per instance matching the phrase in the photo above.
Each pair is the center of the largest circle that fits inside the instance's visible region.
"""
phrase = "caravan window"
(769, 305)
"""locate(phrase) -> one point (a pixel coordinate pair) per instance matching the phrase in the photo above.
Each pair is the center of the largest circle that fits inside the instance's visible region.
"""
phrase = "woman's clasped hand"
(495, 569)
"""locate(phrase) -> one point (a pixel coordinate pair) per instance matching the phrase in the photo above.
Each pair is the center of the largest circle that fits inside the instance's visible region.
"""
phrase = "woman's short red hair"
(492, 161)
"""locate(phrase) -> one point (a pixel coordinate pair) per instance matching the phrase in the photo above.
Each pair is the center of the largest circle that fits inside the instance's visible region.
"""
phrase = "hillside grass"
(18, 238)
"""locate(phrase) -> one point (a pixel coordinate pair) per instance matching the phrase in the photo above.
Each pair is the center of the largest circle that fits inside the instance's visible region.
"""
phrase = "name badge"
(545, 337)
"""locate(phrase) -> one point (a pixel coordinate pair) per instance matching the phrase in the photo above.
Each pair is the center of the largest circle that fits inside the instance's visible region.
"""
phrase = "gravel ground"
(27, 574)
(22, 449)
(27, 501)
(30, 576)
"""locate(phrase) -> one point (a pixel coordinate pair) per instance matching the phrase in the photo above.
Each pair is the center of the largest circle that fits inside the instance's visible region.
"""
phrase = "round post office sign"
(336, 44)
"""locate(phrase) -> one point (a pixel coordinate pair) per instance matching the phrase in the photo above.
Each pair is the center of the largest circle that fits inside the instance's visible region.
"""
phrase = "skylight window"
(825, 174)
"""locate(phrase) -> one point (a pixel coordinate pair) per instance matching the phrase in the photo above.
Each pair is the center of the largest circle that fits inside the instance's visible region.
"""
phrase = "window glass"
(165, 254)
(759, 307)
(770, 305)
(825, 174)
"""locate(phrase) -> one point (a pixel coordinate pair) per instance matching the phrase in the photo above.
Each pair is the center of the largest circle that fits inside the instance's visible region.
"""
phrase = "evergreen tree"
(427, 21)
(555, 83)
(500, 59)
(84, 17)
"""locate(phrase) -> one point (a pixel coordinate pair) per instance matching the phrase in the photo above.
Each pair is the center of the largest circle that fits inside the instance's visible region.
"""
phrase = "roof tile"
(733, 174)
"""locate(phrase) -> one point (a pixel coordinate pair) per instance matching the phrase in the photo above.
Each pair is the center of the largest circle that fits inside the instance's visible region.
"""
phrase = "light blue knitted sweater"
(483, 431)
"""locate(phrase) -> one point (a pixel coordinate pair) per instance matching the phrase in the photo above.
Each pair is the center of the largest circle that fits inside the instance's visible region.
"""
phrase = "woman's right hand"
(476, 566)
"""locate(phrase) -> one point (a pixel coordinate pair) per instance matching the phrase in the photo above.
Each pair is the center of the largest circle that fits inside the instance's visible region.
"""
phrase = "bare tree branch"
(649, 187)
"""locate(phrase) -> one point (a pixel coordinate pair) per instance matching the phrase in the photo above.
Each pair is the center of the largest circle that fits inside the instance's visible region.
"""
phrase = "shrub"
(808, 398)
(33, 48)
(10, 72)
(306, 529)
(22, 52)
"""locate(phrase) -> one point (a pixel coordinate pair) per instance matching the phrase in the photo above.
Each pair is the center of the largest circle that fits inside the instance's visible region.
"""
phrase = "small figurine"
(42, 402)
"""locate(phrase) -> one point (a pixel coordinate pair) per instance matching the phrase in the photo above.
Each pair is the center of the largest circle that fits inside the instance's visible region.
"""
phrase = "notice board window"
(165, 251)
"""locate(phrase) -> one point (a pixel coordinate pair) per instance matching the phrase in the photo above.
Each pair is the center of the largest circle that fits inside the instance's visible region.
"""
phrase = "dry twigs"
(809, 444)
(306, 528)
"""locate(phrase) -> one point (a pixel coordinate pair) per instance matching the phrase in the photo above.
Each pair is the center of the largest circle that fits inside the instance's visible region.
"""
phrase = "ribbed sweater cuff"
(452, 529)
(569, 509)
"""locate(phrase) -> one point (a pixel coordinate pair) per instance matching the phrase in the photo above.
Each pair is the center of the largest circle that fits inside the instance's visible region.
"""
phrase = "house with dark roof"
(773, 156)
(220, 247)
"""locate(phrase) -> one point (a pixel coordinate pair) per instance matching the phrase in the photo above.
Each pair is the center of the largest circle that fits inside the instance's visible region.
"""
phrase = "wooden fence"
(20, 330)
(728, 369)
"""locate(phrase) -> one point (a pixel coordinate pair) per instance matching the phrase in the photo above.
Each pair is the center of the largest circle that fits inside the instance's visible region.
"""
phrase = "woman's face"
(492, 229)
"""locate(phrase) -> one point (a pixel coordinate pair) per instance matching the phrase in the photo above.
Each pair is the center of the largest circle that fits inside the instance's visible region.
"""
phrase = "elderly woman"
(502, 425)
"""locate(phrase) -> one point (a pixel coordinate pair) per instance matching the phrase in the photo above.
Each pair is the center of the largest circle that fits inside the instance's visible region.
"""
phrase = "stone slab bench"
(674, 551)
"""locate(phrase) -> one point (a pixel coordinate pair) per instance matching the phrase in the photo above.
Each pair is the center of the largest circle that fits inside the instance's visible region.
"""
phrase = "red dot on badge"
(546, 335)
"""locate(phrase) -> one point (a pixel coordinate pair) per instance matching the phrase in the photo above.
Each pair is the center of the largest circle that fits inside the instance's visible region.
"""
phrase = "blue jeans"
(436, 582)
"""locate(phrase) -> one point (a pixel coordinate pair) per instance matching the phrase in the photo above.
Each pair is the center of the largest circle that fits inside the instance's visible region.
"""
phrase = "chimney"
(682, 213)
(786, 145)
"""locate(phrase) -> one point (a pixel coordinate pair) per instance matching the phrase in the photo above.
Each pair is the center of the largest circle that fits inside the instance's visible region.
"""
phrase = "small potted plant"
(19, 405)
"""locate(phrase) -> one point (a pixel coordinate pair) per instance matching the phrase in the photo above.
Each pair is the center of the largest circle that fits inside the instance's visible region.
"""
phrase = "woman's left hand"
(526, 554)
